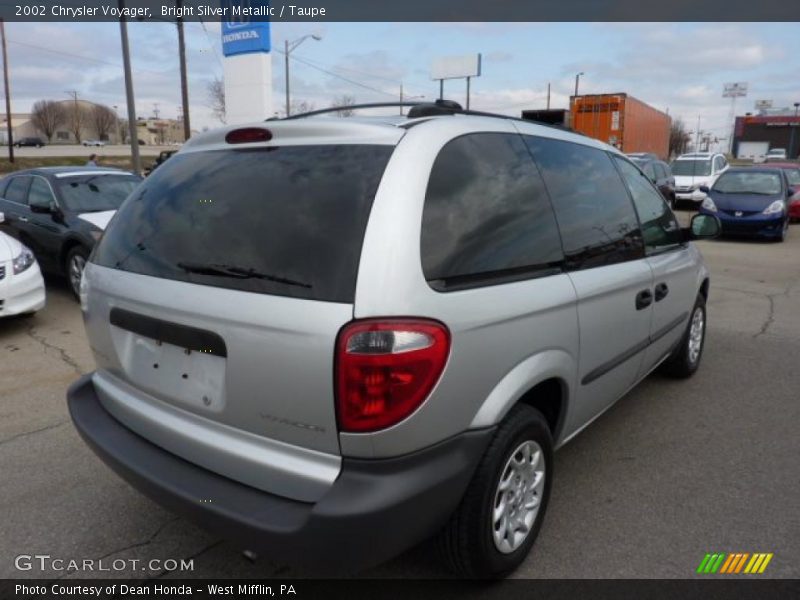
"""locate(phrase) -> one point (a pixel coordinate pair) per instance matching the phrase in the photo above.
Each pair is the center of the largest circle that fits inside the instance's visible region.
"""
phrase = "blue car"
(750, 201)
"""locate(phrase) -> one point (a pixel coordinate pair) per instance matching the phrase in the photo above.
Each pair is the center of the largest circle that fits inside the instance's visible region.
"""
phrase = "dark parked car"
(750, 201)
(60, 212)
(35, 142)
(659, 173)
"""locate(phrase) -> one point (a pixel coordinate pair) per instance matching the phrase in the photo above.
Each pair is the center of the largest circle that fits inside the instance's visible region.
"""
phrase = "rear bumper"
(375, 510)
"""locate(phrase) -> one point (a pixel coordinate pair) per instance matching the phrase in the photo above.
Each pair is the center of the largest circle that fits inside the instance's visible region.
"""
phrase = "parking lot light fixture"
(577, 80)
(288, 48)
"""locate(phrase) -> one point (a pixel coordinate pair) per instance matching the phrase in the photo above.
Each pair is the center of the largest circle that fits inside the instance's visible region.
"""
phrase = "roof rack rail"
(330, 109)
(425, 109)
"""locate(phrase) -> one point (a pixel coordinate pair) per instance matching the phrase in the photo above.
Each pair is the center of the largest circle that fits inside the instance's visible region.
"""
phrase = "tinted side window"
(487, 215)
(40, 194)
(17, 190)
(659, 226)
(661, 171)
(597, 221)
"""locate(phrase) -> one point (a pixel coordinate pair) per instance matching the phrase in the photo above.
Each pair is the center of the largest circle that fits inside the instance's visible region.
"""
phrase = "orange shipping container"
(622, 121)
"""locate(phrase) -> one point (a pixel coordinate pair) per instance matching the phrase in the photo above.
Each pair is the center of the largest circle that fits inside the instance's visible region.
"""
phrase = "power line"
(87, 58)
(332, 74)
(212, 45)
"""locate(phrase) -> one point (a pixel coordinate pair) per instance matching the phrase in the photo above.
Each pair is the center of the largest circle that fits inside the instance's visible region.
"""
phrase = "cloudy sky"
(680, 67)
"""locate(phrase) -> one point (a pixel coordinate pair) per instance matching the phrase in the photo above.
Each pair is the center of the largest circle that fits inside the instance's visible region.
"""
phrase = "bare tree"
(216, 98)
(679, 138)
(103, 119)
(47, 116)
(301, 106)
(76, 120)
(343, 103)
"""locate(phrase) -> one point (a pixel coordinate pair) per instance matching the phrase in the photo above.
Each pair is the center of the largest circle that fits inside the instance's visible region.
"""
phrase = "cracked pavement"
(672, 471)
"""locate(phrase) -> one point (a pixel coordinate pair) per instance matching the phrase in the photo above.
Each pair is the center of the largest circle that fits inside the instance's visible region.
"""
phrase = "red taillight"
(247, 135)
(385, 370)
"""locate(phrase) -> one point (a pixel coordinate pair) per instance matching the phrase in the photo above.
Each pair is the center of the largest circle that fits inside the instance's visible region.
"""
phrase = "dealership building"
(768, 130)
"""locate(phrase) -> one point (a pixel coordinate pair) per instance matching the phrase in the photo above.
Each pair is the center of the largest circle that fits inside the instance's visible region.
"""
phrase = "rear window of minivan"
(286, 221)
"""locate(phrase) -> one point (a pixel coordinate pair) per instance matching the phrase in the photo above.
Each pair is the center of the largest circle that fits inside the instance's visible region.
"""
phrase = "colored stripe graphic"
(727, 564)
(718, 562)
(703, 563)
(741, 562)
(730, 563)
(766, 562)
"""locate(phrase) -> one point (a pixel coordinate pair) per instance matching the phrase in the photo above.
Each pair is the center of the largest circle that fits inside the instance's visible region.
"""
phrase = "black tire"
(681, 365)
(782, 237)
(466, 544)
(77, 256)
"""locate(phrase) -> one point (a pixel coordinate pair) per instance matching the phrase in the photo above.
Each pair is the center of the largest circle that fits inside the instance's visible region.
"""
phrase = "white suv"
(694, 170)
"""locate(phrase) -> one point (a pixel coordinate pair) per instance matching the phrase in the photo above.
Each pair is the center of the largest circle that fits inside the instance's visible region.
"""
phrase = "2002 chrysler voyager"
(329, 339)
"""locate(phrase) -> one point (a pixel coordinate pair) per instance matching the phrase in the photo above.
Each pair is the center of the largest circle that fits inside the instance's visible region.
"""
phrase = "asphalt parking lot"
(674, 470)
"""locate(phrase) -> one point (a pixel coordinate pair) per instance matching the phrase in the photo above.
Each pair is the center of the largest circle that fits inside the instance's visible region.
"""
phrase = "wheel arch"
(543, 381)
(66, 248)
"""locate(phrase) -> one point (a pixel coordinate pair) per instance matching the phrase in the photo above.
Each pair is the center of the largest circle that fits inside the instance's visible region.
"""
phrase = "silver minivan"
(329, 339)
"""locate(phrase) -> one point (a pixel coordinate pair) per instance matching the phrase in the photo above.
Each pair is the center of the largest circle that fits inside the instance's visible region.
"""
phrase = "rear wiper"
(222, 270)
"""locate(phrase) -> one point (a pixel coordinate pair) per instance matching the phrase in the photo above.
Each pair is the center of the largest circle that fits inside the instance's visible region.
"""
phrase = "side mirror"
(790, 192)
(704, 188)
(704, 227)
(41, 208)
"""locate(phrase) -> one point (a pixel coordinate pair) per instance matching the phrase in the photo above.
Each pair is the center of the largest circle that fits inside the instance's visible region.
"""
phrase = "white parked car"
(21, 283)
(694, 170)
(776, 154)
(98, 143)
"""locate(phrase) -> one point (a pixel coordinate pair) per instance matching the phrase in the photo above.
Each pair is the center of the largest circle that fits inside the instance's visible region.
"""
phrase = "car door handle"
(644, 299)
(23, 219)
(662, 289)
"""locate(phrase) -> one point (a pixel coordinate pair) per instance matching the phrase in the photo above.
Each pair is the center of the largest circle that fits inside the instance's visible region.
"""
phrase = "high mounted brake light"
(248, 135)
(385, 369)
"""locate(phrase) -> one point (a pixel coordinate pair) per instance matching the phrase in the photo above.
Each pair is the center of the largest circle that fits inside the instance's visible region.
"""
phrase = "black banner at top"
(401, 10)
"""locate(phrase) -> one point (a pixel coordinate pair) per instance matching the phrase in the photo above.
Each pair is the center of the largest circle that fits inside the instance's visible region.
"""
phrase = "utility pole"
(548, 96)
(468, 78)
(8, 93)
(401, 97)
(126, 59)
(156, 111)
(187, 130)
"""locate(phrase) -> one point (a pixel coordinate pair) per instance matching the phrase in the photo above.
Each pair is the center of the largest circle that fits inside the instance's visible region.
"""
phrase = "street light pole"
(577, 80)
(288, 48)
(8, 94)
